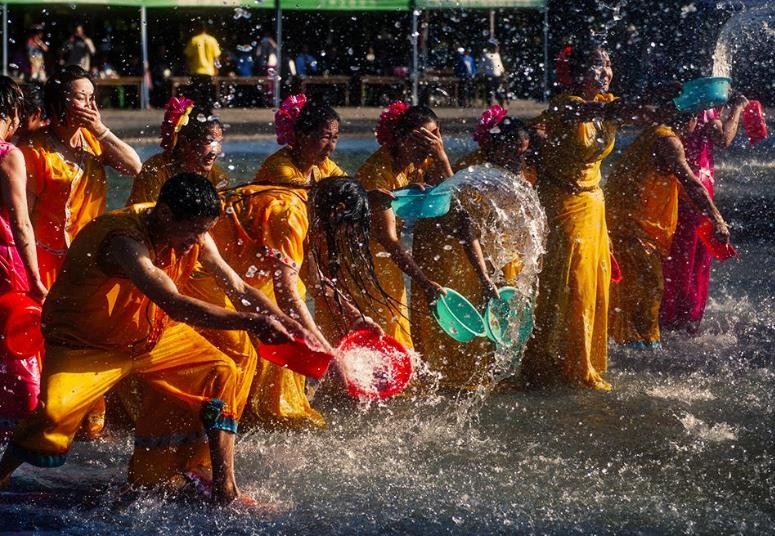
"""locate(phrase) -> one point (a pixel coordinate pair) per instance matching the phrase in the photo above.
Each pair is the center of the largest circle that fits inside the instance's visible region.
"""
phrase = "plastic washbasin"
(412, 204)
(390, 378)
(457, 317)
(702, 93)
(499, 317)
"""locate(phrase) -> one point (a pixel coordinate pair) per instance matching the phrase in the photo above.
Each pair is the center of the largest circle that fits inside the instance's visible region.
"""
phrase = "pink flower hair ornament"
(286, 116)
(176, 113)
(489, 121)
(388, 120)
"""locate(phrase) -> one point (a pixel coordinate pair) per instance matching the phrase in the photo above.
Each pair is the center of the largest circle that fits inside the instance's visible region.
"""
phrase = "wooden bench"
(120, 82)
(389, 81)
(265, 83)
(449, 85)
(328, 80)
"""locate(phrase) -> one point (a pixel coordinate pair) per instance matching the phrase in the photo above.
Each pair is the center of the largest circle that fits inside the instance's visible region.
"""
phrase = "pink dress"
(687, 269)
(19, 378)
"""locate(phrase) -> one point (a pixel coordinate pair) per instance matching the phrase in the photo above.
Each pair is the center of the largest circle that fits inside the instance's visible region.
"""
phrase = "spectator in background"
(306, 63)
(243, 60)
(266, 56)
(78, 50)
(202, 55)
(493, 74)
(465, 71)
(36, 51)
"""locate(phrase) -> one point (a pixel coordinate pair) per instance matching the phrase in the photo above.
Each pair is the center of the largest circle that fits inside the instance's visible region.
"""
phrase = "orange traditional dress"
(100, 329)
(68, 195)
(570, 339)
(157, 170)
(262, 226)
(642, 213)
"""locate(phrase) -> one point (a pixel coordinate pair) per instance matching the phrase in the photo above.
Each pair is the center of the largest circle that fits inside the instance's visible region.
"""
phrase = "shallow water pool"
(684, 443)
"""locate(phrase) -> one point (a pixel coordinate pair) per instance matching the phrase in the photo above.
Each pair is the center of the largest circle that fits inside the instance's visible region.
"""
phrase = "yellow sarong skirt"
(182, 365)
(635, 301)
(571, 317)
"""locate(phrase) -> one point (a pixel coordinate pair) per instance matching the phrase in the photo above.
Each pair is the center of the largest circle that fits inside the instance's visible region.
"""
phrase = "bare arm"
(242, 295)
(134, 259)
(13, 186)
(670, 158)
(432, 142)
(116, 153)
(385, 232)
(473, 250)
(723, 131)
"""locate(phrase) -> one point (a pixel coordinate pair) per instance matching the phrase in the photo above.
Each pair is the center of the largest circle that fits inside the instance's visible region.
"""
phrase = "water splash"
(753, 29)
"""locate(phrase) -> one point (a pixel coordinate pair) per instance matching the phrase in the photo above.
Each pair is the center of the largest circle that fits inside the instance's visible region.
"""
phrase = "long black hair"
(314, 116)
(413, 118)
(339, 208)
(11, 99)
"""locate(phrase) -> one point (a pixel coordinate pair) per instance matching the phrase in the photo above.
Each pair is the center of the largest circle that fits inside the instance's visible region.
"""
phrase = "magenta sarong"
(19, 378)
(687, 268)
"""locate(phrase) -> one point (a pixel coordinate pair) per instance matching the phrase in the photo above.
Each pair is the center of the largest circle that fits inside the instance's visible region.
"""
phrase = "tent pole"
(5, 39)
(279, 73)
(546, 51)
(145, 92)
(415, 56)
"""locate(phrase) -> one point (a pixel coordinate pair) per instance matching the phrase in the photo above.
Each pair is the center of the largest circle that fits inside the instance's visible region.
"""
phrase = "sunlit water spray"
(682, 445)
(744, 33)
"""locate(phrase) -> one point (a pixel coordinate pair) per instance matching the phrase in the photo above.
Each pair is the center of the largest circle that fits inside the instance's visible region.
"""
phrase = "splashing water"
(753, 29)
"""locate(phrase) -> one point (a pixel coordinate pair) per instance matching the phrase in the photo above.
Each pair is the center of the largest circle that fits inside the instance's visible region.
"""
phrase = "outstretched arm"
(242, 295)
(466, 231)
(134, 259)
(724, 131)
(14, 196)
(670, 158)
(116, 153)
(383, 223)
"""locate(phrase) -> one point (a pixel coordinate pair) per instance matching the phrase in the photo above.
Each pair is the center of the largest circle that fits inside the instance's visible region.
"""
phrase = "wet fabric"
(263, 226)
(68, 195)
(279, 169)
(687, 266)
(443, 259)
(157, 170)
(570, 341)
(182, 364)
(392, 314)
(170, 438)
(19, 377)
(642, 210)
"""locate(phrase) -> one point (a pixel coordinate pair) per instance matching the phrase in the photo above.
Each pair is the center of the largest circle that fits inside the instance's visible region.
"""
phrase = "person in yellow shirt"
(411, 153)
(190, 145)
(108, 317)
(642, 211)
(202, 54)
(447, 250)
(570, 342)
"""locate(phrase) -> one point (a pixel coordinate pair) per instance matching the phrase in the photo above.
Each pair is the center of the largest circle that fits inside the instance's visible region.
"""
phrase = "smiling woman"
(192, 142)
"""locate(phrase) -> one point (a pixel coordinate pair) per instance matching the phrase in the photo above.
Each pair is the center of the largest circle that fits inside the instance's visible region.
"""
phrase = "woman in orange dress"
(66, 182)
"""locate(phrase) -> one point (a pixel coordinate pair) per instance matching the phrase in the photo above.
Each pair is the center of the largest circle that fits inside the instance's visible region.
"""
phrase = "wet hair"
(314, 116)
(190, 196)
(11, 99)
(196, 130)
(55, 92)
(509, 130)
(33, 99)
(412, 118)
(339, 207)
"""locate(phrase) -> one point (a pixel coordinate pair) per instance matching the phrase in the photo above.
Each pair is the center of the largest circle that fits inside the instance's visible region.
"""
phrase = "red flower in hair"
(286, 116)
(562, 70)
(489, 120)
(387, 122)
(175, 117)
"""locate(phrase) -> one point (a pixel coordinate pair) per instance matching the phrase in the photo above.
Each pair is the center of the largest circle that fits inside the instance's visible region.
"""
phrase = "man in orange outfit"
(107, 317)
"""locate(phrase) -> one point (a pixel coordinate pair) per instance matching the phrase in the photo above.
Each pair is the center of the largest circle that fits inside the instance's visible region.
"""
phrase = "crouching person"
(115, 311)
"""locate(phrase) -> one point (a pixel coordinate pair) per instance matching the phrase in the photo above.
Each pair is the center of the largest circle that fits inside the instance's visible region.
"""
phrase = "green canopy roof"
(307, 5)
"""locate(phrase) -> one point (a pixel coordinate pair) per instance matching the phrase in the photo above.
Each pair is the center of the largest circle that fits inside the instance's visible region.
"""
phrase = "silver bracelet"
(103, 135)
